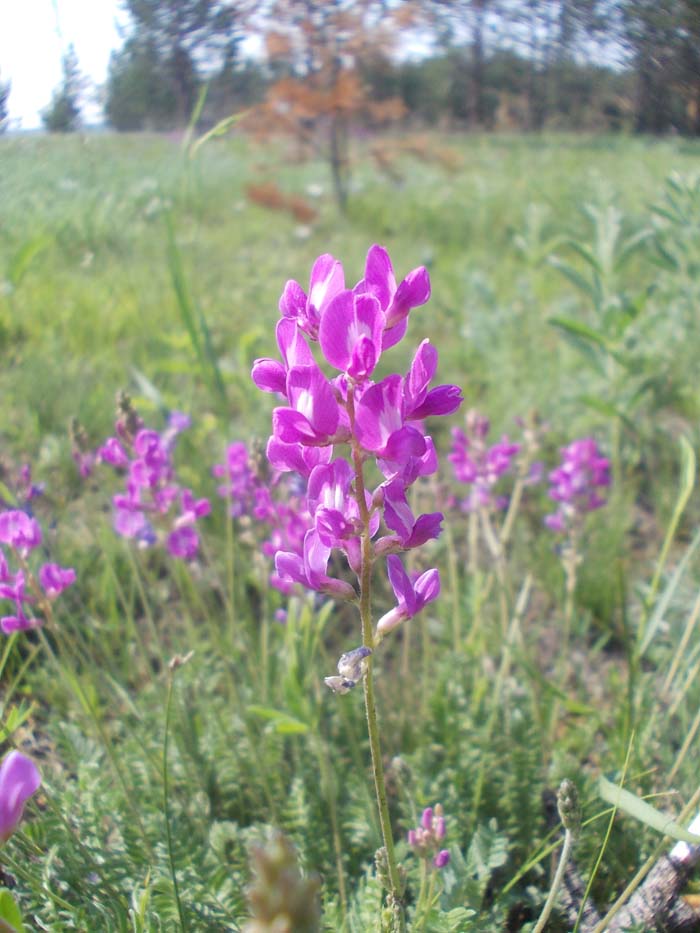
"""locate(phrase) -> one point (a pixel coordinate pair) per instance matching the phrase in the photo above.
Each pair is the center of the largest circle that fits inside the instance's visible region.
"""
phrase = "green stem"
(420, 905)
(453, 574)
(556, 883)
(368, 684)
(431, 889)
(166, 804)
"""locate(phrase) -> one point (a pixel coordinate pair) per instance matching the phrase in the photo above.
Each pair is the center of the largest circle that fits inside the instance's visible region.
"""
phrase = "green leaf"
(578, 329)
(686, 485)
(24, 257)
(608, 409)
(631, 246)
(586, 255)
(6, 494)
(17, 716)
(282, 722)
(10, 914)
(219, 129)
(193, 318)
(644, 812)
(573, 275)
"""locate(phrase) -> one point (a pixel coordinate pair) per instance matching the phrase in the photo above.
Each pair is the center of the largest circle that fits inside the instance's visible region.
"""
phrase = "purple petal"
(423, 368)
(269, 376)
(379, 276)
(397, 512)
(19, 530)
(427, 587)
(401, 584)
(293, 301)
(292, 346)
(295, 457)
(442, 400)
(327, 279)
(113, 453)
(404, 444)
(393, 335)
(183, 542)
(311, 394)
(412, 292)
(54, 579)
(347, 320)
(426, 528)
(378, 414)
(19, 779)
(441, 859)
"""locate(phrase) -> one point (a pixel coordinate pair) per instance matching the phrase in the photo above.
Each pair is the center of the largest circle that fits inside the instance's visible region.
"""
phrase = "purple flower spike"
(54, 579)
(478, 465)
(426, 838)
(575, 483)
(19, 780)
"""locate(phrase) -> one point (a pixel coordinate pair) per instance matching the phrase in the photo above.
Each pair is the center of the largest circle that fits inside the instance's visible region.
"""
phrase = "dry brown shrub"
(268, 195)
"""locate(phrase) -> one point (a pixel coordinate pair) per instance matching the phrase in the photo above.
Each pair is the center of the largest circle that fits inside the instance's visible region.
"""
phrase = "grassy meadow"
(565, 293)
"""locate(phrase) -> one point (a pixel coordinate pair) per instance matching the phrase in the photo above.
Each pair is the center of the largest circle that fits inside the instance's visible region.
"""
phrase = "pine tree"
(63, 113)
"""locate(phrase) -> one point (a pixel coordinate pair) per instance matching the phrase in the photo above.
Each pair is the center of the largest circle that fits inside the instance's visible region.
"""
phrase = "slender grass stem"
(453, 574)
(556, 883)
(166, 804)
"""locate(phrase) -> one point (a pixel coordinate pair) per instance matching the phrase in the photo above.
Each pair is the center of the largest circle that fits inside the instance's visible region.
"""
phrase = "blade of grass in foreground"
(194, 321)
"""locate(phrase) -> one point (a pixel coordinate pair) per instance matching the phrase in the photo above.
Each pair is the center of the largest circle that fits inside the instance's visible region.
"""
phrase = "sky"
(34, 34)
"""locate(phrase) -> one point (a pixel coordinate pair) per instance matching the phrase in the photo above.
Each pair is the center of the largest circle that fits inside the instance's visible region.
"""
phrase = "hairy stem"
(368, 684)
(556, 883)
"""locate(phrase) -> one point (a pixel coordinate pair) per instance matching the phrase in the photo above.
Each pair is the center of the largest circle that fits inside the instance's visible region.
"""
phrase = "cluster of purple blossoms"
(153, 500)
(575, 484)
(24, 488)
(19, 780)
(277, 504)
(479, 465)
(425, 839)
(380, 420)
(20, 534)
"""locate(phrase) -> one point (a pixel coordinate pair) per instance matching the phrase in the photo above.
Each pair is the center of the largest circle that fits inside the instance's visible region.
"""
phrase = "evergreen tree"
(5, 87)
(171, 46)
(63, 113)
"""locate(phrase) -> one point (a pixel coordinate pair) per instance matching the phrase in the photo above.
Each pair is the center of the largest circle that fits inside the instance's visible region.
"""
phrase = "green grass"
(478, 720)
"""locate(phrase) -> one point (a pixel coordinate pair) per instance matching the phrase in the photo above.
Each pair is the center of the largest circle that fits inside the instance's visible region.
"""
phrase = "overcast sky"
(34, 34)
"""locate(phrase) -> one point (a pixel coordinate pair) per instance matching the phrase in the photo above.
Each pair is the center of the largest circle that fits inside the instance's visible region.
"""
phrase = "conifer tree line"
(514, 64)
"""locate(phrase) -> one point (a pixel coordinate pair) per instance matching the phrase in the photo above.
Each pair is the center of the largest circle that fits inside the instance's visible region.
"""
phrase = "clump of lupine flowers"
(425, 840)
(28, 589)
(480, 465)
(380, 421)
(19, 780)
(153, 507)
(576, 482)
(276, 502)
